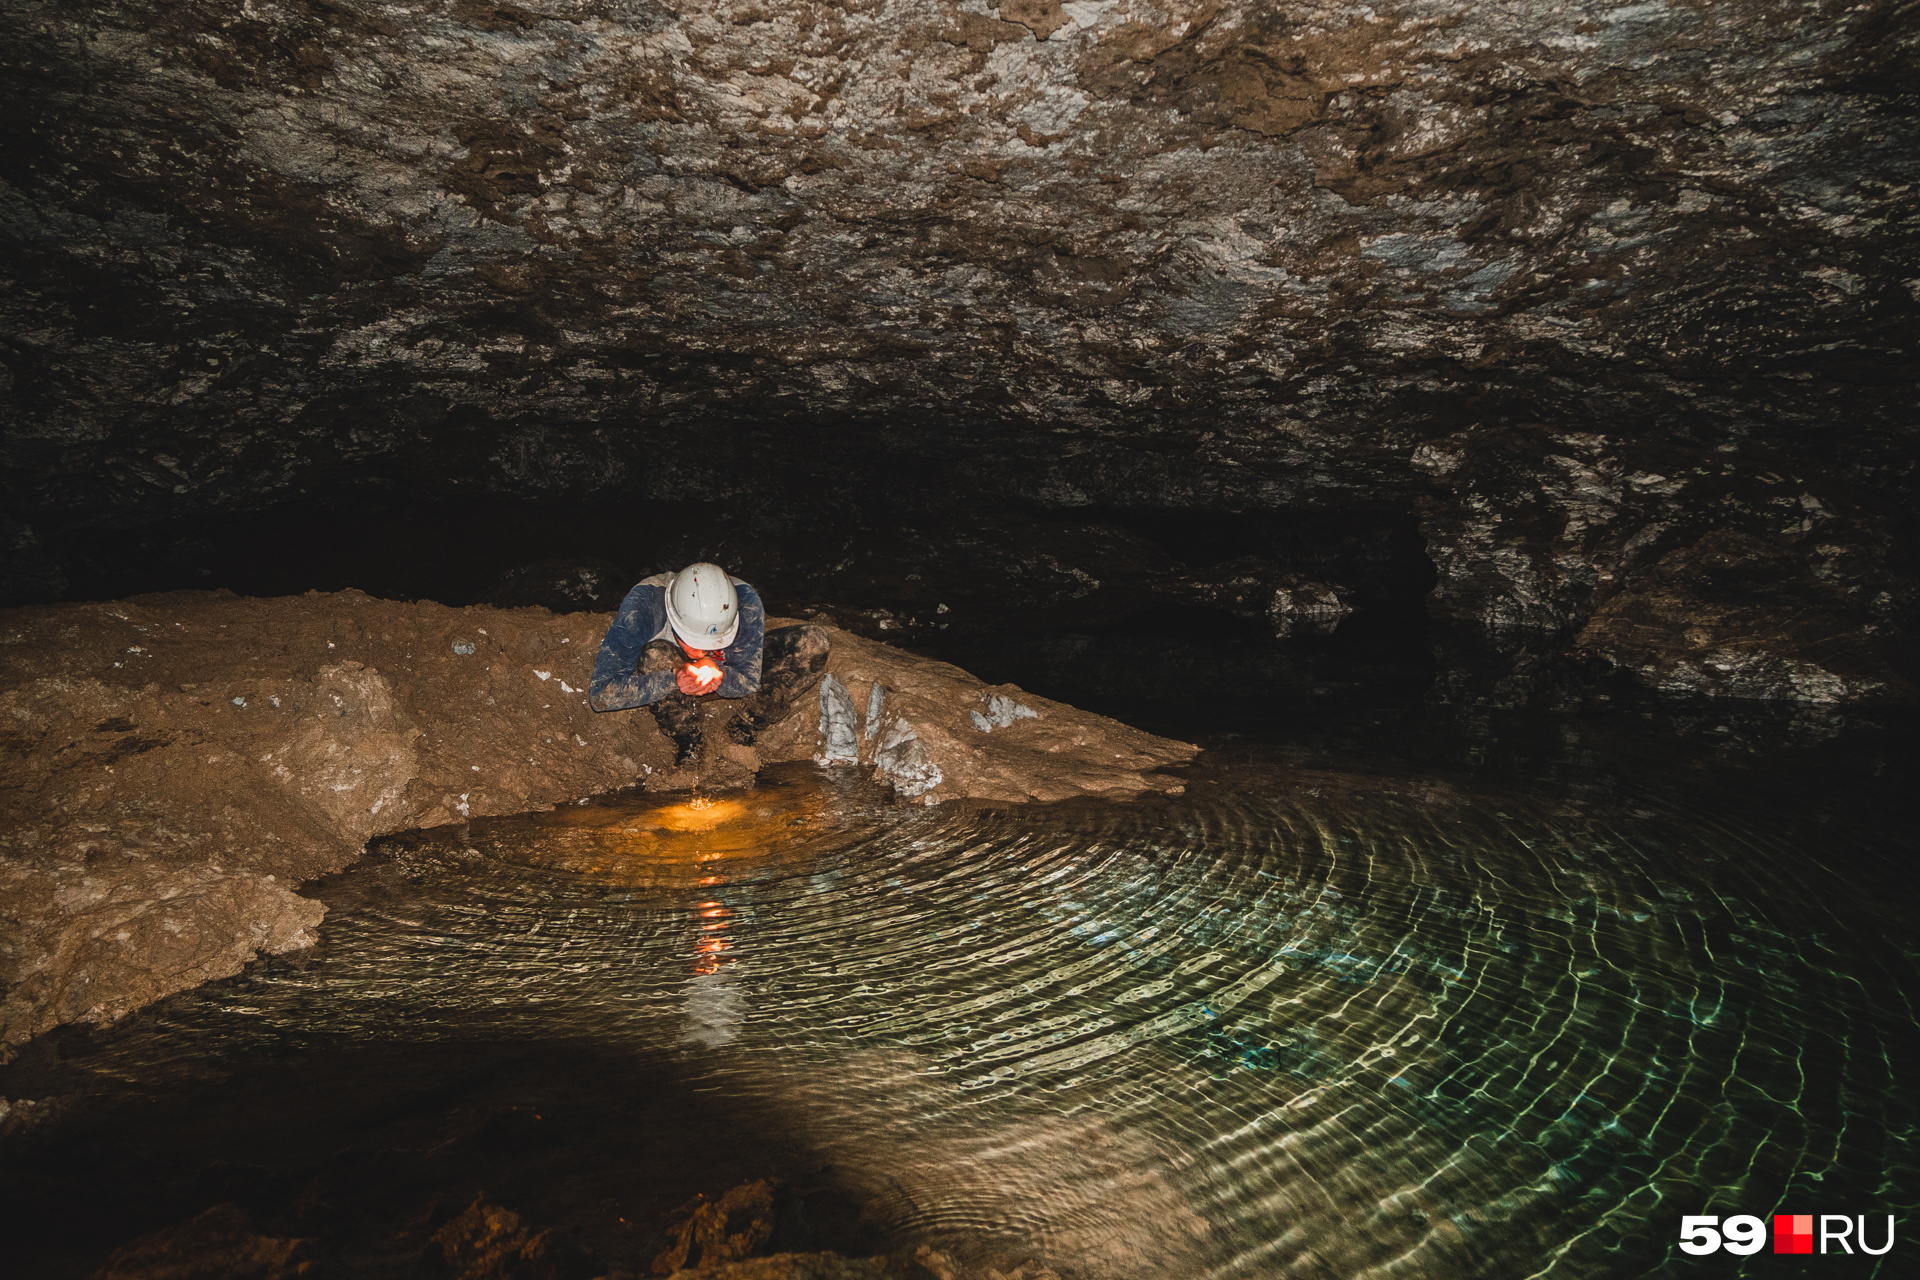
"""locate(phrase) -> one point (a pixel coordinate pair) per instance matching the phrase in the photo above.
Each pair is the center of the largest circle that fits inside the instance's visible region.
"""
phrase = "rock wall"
(1690, 570)
(173, 767)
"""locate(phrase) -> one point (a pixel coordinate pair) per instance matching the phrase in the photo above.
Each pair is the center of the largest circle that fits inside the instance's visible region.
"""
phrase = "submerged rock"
(220, 1244)
(490, 1242)
(819, 1266)
(736, 1226)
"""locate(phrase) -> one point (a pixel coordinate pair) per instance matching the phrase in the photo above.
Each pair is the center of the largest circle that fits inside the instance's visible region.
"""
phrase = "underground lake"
(1354, 1007)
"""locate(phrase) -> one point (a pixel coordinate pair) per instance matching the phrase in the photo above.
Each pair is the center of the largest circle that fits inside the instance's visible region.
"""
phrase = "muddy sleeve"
(740, 673)
(616, 683)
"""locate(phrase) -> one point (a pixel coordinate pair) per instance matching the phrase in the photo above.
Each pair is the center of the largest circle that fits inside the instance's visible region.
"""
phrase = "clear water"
(1299, 1022)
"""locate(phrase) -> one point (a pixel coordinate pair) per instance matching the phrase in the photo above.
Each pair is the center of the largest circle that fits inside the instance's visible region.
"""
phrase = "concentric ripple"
(1288, 1025)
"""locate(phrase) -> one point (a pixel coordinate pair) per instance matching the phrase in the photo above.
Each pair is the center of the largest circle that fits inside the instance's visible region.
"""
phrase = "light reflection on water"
(1287, 1025)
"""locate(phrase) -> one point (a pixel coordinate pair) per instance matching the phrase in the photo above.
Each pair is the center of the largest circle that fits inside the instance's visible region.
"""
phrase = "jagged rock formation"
(736, 1225)
(492, 1242)
(936, 733)
(1147, 253)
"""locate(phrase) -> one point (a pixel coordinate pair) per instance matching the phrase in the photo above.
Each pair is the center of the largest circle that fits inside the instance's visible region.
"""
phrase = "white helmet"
(702, 607)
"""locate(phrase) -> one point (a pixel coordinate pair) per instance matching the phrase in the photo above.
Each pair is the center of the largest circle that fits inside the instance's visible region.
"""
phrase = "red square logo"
(1793, 1233)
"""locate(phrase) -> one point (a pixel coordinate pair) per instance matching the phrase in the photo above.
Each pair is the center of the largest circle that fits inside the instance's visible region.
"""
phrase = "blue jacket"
(642, 619)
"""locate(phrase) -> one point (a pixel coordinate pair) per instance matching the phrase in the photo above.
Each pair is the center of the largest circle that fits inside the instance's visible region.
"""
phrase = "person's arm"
(740, 673)
(616, 684)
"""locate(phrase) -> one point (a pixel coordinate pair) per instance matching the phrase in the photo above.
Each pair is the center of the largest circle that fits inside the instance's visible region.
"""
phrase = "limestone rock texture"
(936, 733)
(172, 767)
(1681, 568)
(1544, 272)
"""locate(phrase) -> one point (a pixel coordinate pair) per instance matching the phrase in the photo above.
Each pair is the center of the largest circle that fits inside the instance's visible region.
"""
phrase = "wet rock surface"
(937, 733)
(1680, 568)
(175, 766)
(814, 1266)
(1248, 230)
(491, 1242)
(734, 1227)
(219, 1243)
(1733, 615)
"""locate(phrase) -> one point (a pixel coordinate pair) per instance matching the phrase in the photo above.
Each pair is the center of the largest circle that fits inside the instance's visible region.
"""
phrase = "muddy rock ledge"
(172, 767)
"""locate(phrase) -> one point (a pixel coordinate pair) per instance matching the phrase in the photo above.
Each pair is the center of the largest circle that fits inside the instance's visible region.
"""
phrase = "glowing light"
(709, 955)
(698, 814)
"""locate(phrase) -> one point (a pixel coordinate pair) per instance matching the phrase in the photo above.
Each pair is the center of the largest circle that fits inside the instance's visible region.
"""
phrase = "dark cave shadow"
(372, 1146)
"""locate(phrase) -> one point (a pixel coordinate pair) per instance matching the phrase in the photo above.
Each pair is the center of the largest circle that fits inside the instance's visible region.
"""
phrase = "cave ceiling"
(1127, 253)
(257, 245)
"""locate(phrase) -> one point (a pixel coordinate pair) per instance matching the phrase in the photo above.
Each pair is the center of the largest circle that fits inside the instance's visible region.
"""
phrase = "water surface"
(1302, 1021)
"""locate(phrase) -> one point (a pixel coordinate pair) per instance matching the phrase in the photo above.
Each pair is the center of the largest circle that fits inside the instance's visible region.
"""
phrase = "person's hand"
(699, 677)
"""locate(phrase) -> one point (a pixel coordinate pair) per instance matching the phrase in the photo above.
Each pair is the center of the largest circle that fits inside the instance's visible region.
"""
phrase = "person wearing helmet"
(682, 639)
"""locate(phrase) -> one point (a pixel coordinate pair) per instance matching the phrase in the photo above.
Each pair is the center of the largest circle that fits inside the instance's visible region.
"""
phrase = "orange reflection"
(709, 954)
(648, 844)
(698, 814)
